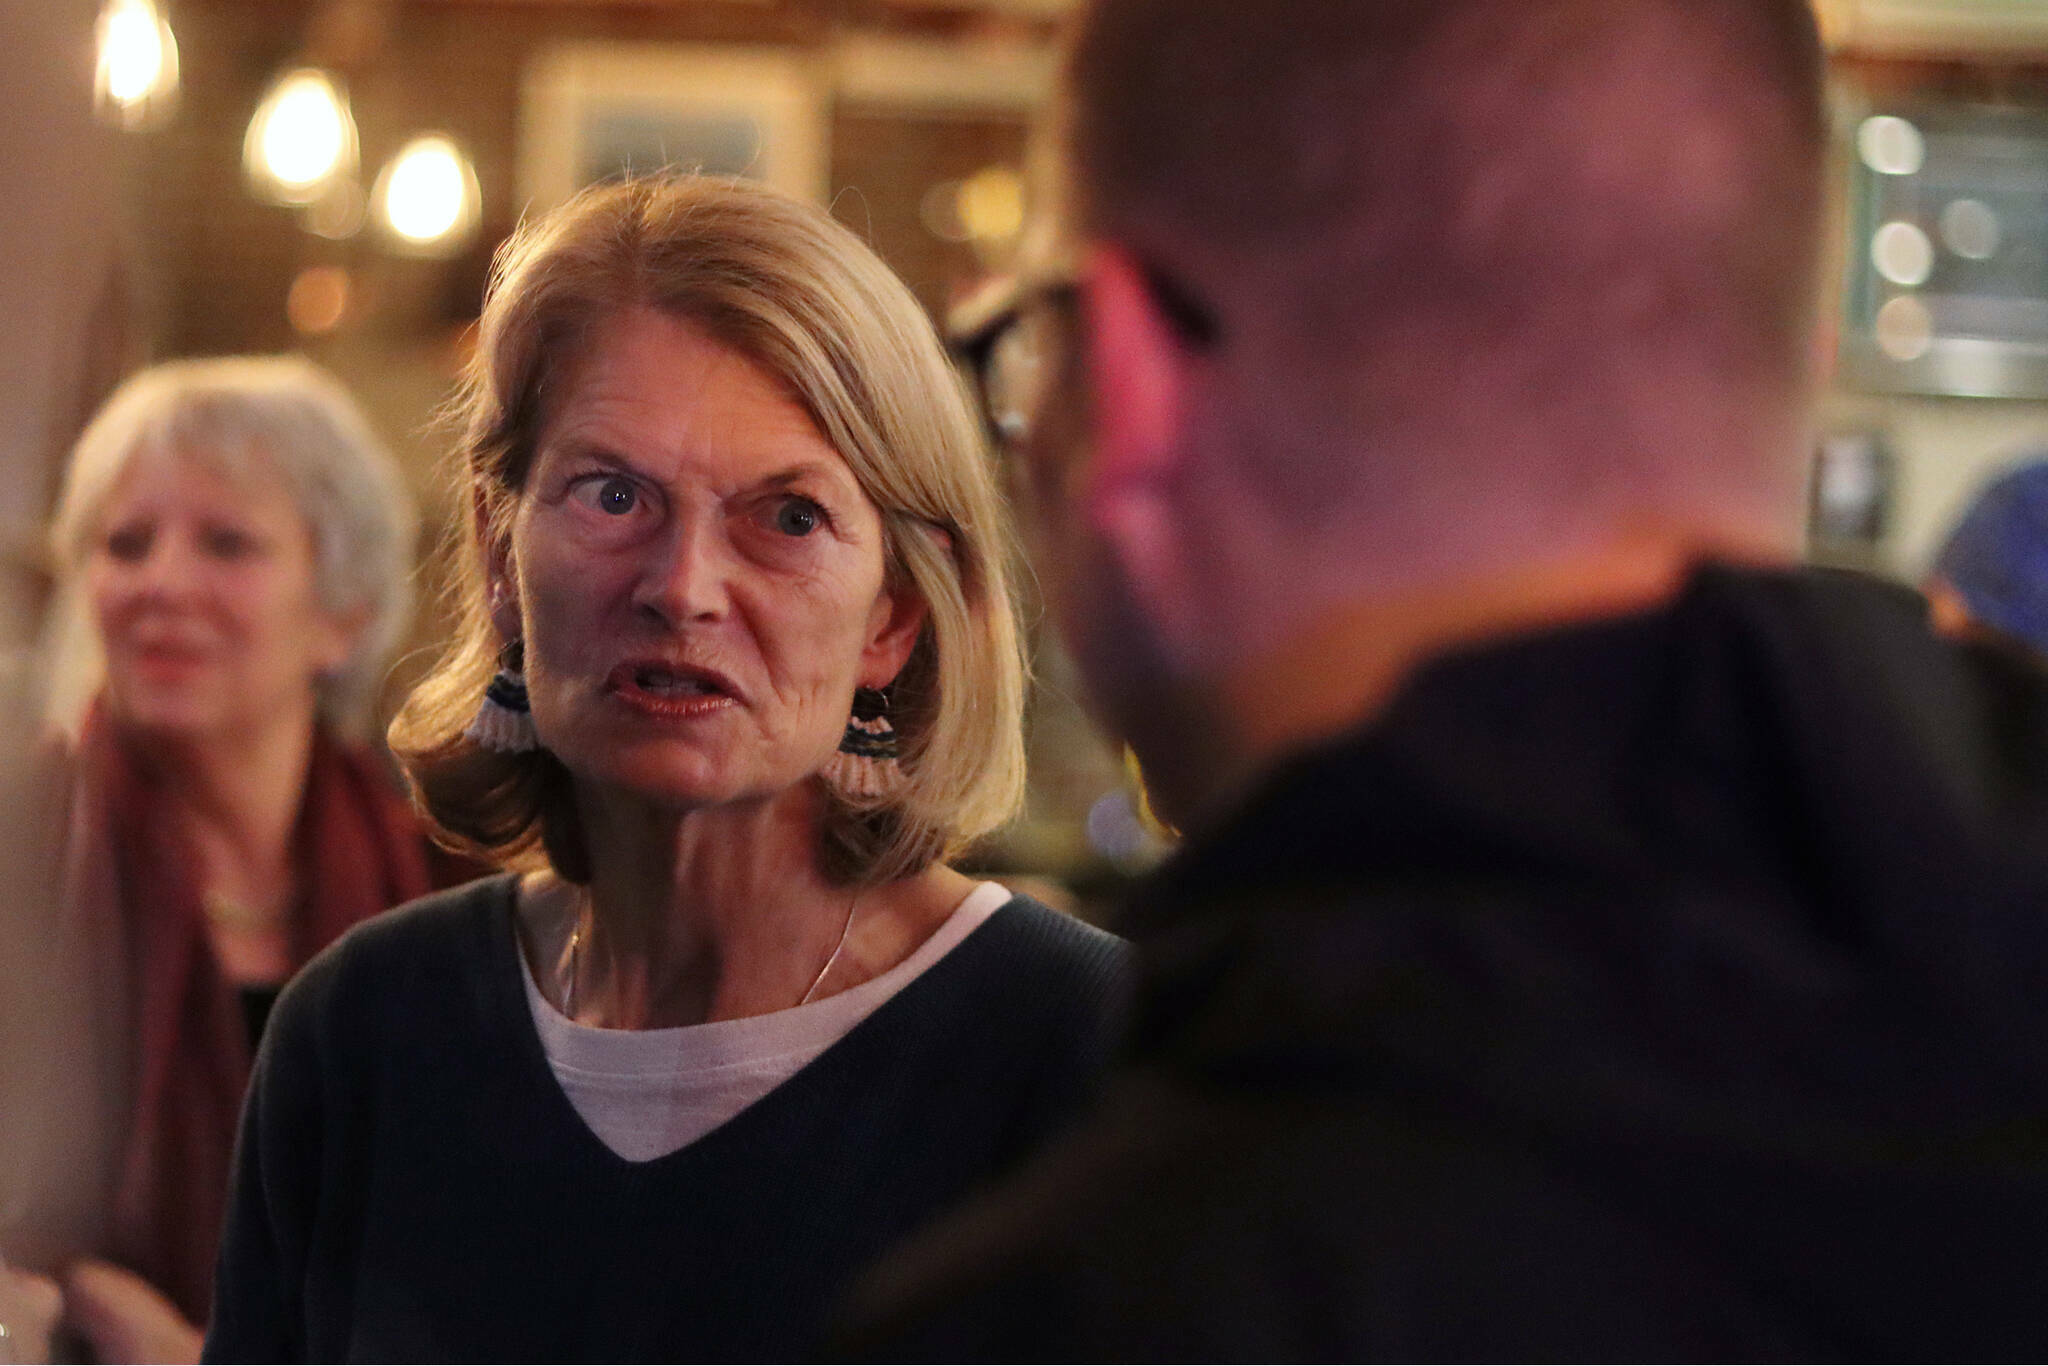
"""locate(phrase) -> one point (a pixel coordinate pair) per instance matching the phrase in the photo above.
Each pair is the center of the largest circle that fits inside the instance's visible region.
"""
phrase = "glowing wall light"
(427, 197)
(302, 139)
(135, 80)
(992, 204)
(1890, 145)
(986, 211)
(1903, 254)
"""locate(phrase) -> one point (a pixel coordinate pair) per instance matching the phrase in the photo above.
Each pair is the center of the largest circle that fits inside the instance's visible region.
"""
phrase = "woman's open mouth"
(168, 658)
(659, 688)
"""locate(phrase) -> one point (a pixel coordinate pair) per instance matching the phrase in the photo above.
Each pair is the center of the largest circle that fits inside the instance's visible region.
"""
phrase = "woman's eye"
(798, 517)
(612, 495)
(228, 543)
(128, 542)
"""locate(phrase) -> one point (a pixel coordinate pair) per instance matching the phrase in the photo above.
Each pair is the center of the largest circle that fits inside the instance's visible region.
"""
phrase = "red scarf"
(357, 851)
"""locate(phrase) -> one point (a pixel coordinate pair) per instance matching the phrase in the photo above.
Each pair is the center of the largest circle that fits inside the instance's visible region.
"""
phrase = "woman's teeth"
(658, 681)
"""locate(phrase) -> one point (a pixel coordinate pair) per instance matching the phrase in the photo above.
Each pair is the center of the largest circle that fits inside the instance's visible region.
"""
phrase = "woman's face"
(697, 577)
(202, 590)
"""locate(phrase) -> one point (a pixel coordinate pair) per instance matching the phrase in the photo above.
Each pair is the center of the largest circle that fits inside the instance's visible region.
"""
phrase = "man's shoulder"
(1017, 1266)
(1148, 1232)
(1185, 1221)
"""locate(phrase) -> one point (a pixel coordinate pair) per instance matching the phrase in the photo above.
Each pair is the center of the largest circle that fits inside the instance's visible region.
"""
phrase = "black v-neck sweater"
(413, 1184)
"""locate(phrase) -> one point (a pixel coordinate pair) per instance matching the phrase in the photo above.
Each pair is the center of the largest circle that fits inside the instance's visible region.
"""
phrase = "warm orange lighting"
(135, 81)
(318, 300)
(302, 139)
(427, 197)
(992, 204)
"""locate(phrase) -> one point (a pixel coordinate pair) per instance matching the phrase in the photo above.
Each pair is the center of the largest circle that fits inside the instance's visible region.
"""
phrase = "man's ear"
(501, 594)
(1137, 371)
(1140, 379)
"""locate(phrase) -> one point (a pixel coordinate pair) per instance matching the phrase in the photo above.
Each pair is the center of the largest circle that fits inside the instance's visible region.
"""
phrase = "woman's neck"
(717, 914)
(235, 800)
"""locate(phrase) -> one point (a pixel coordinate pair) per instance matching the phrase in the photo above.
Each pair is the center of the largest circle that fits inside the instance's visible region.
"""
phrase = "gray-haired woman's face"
(202, 590)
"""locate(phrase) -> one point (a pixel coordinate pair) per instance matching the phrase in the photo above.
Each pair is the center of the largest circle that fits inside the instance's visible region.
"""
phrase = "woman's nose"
(687, 576)
(168, 569)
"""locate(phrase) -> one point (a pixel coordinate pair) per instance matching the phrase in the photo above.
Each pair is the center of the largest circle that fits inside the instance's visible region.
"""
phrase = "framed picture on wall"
(591, 112)
(1947, 289)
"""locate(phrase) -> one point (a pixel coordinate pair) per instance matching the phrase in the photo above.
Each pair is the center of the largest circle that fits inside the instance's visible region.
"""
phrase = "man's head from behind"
(1383, 295)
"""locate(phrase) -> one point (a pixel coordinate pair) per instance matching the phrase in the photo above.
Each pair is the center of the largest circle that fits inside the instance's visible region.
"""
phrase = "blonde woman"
(739, 672)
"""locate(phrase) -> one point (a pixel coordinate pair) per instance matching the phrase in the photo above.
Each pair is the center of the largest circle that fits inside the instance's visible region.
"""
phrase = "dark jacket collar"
(1782, 775)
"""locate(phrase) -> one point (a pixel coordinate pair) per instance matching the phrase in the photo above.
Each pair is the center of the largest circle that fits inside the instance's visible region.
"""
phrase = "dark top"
(1675, 987)
(412, 1183)
(257, 1003)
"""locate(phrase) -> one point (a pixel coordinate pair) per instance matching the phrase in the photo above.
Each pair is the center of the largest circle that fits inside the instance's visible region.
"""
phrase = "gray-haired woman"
(236, 551)
(739, 671)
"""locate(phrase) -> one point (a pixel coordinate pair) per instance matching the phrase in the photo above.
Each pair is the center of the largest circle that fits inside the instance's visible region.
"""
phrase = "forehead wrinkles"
(719, 412)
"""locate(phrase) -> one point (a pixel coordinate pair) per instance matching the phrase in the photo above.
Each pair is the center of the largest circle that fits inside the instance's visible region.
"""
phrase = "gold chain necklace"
(237, 917)
(565, 977)
(844, 930)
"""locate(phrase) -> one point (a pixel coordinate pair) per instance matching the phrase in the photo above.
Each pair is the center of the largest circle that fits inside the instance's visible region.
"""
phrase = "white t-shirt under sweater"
(649, 1092)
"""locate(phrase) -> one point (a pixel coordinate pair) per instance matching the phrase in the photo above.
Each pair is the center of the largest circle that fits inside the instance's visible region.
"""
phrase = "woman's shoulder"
(1035, 931)
(1033, 996)
(1045, 961)
(422, 948)
(450, 916)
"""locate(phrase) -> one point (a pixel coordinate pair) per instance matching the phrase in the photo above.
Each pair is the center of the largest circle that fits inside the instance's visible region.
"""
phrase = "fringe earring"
(866, 764)
(504, 720)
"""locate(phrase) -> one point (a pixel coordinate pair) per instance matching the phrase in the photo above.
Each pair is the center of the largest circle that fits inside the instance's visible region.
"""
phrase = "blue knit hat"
(1997, 558)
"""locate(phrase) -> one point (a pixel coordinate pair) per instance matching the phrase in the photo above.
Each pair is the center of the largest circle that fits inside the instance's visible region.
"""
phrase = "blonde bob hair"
(784, 285)
(260, 417)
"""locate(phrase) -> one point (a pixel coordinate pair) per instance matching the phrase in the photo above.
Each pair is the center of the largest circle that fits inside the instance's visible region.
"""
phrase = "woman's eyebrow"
(572, 446)
(796, 474)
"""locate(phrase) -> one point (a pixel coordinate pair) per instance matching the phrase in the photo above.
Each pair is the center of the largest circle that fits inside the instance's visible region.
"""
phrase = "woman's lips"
(668, 690)
(167, 659)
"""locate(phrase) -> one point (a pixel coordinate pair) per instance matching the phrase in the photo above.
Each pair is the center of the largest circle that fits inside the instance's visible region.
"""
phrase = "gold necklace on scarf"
(235, 916)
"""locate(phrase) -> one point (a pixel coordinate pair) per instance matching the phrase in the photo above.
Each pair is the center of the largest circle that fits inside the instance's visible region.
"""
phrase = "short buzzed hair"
(1607, 179)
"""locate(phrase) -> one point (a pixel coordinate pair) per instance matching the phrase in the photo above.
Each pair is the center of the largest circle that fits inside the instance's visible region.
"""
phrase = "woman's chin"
(168, 716)
(206, 717)
(675, 783)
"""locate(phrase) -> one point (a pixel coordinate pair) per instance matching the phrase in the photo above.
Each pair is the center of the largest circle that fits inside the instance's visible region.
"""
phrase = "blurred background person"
(235, 548)
(1991, 578)
(738, 672)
